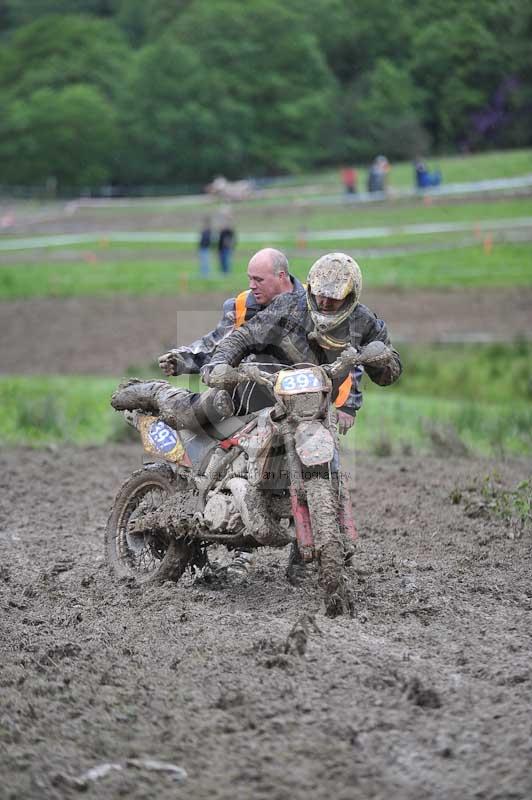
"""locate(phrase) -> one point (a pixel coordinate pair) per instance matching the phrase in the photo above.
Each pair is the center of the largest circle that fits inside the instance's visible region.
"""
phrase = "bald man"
(268, 277)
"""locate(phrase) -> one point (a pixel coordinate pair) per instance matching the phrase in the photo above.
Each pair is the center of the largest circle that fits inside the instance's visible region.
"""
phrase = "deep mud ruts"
(425, 693)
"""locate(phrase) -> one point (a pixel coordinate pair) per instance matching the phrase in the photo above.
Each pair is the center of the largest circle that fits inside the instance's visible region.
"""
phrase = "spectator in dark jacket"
(226, 244)
(204, 247)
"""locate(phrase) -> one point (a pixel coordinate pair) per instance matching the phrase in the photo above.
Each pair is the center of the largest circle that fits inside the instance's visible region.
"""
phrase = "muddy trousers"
(179, 408)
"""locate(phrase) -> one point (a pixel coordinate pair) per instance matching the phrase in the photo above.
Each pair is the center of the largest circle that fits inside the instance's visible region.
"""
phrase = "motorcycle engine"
(220, 513)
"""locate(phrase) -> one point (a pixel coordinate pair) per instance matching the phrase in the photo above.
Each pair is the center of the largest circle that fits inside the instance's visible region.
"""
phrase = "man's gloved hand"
(375, 354)
(221, 376)
(345, 421)
(172, 363)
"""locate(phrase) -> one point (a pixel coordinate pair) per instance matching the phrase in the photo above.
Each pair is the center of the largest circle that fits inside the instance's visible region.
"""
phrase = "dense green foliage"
(162, 91)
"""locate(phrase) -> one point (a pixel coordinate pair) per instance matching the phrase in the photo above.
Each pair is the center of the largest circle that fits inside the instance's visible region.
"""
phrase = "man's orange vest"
(240, 318)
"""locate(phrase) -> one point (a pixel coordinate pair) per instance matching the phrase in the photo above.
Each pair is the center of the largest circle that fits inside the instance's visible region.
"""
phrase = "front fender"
(314, 443)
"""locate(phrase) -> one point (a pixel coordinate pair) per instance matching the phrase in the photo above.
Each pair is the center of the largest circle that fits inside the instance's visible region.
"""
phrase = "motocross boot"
(295, 569)
(179, 408)
(240, 567)
(137, 395)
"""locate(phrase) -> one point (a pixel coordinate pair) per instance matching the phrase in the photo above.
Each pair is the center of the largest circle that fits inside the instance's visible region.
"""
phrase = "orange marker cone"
(183, 283)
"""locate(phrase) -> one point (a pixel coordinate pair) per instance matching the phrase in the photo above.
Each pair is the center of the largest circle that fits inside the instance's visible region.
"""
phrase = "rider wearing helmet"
(333, 287)
(269, 279)
(269, 276)
(309, 327)
(317, 331)
(315, 328)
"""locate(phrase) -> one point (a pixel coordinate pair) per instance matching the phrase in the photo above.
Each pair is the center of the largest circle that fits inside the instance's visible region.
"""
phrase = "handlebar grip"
(250, 372)
(222, 376)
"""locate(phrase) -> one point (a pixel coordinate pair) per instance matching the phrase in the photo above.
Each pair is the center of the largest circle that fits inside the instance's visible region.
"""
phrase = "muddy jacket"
(282, 331)
(199, 353)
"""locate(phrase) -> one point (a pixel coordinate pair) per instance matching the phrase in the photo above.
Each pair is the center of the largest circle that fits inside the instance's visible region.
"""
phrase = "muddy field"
(108, 335)
(425, 693)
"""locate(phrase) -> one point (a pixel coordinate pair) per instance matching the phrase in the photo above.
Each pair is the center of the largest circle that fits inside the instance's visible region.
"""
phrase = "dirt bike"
(271, 478)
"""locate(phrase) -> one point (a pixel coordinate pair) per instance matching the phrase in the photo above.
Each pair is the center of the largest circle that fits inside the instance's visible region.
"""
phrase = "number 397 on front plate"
(297, 381)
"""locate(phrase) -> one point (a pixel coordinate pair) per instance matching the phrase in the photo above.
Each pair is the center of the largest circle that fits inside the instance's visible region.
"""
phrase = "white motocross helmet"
(338, 276)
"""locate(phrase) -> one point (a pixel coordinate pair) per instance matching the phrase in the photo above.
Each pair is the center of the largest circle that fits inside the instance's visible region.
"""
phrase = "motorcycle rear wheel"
(149, 558)
(322, 504)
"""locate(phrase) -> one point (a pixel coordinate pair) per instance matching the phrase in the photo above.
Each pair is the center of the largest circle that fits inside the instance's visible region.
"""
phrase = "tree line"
(159, 92)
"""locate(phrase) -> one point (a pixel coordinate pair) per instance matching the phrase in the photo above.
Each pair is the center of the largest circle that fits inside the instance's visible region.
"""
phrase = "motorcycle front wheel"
(328, 540)
(149, 558)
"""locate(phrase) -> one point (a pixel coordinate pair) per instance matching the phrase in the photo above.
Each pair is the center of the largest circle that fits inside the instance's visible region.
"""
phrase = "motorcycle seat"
(227, 427)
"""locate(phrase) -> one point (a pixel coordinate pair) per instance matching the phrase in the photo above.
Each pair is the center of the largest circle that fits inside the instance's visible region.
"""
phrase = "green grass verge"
(286, 220)
(46, 411)
(179, 253)
(289, 220)
(453, 398)
(449, 400)
(39, 411)
(506, 265)
(396, 422)
(455, 169)
(484, 374)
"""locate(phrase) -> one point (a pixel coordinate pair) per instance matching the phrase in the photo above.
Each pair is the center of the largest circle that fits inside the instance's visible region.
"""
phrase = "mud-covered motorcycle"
(271, 478)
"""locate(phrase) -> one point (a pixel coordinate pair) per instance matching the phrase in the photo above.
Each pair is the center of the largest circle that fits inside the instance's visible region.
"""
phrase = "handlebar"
(223, 376)
(372, 354)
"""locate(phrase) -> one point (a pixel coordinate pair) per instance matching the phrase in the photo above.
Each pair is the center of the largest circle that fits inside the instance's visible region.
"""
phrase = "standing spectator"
(374, 178)
(378, 175)
(226, 244)
(204, 248)
(349, 179)
(384, 167)
(424, 178)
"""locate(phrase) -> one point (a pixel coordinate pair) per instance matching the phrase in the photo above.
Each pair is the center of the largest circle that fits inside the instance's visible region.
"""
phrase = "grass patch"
(455, 169)
(490, 497)
(480, 167)
(289, 220)
(394, 423)
(39, 411)
(483, 374)
(286, 219)
(451, 399)
(506, 265)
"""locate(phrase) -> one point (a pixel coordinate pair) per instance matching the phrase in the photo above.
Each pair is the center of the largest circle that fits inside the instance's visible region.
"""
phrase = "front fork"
(305, 539)
(298, 502)
(346, 518)
(300, 512)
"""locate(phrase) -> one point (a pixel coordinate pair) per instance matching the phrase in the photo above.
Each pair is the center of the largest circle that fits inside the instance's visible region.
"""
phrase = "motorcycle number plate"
(297, 381)
(161, 440)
